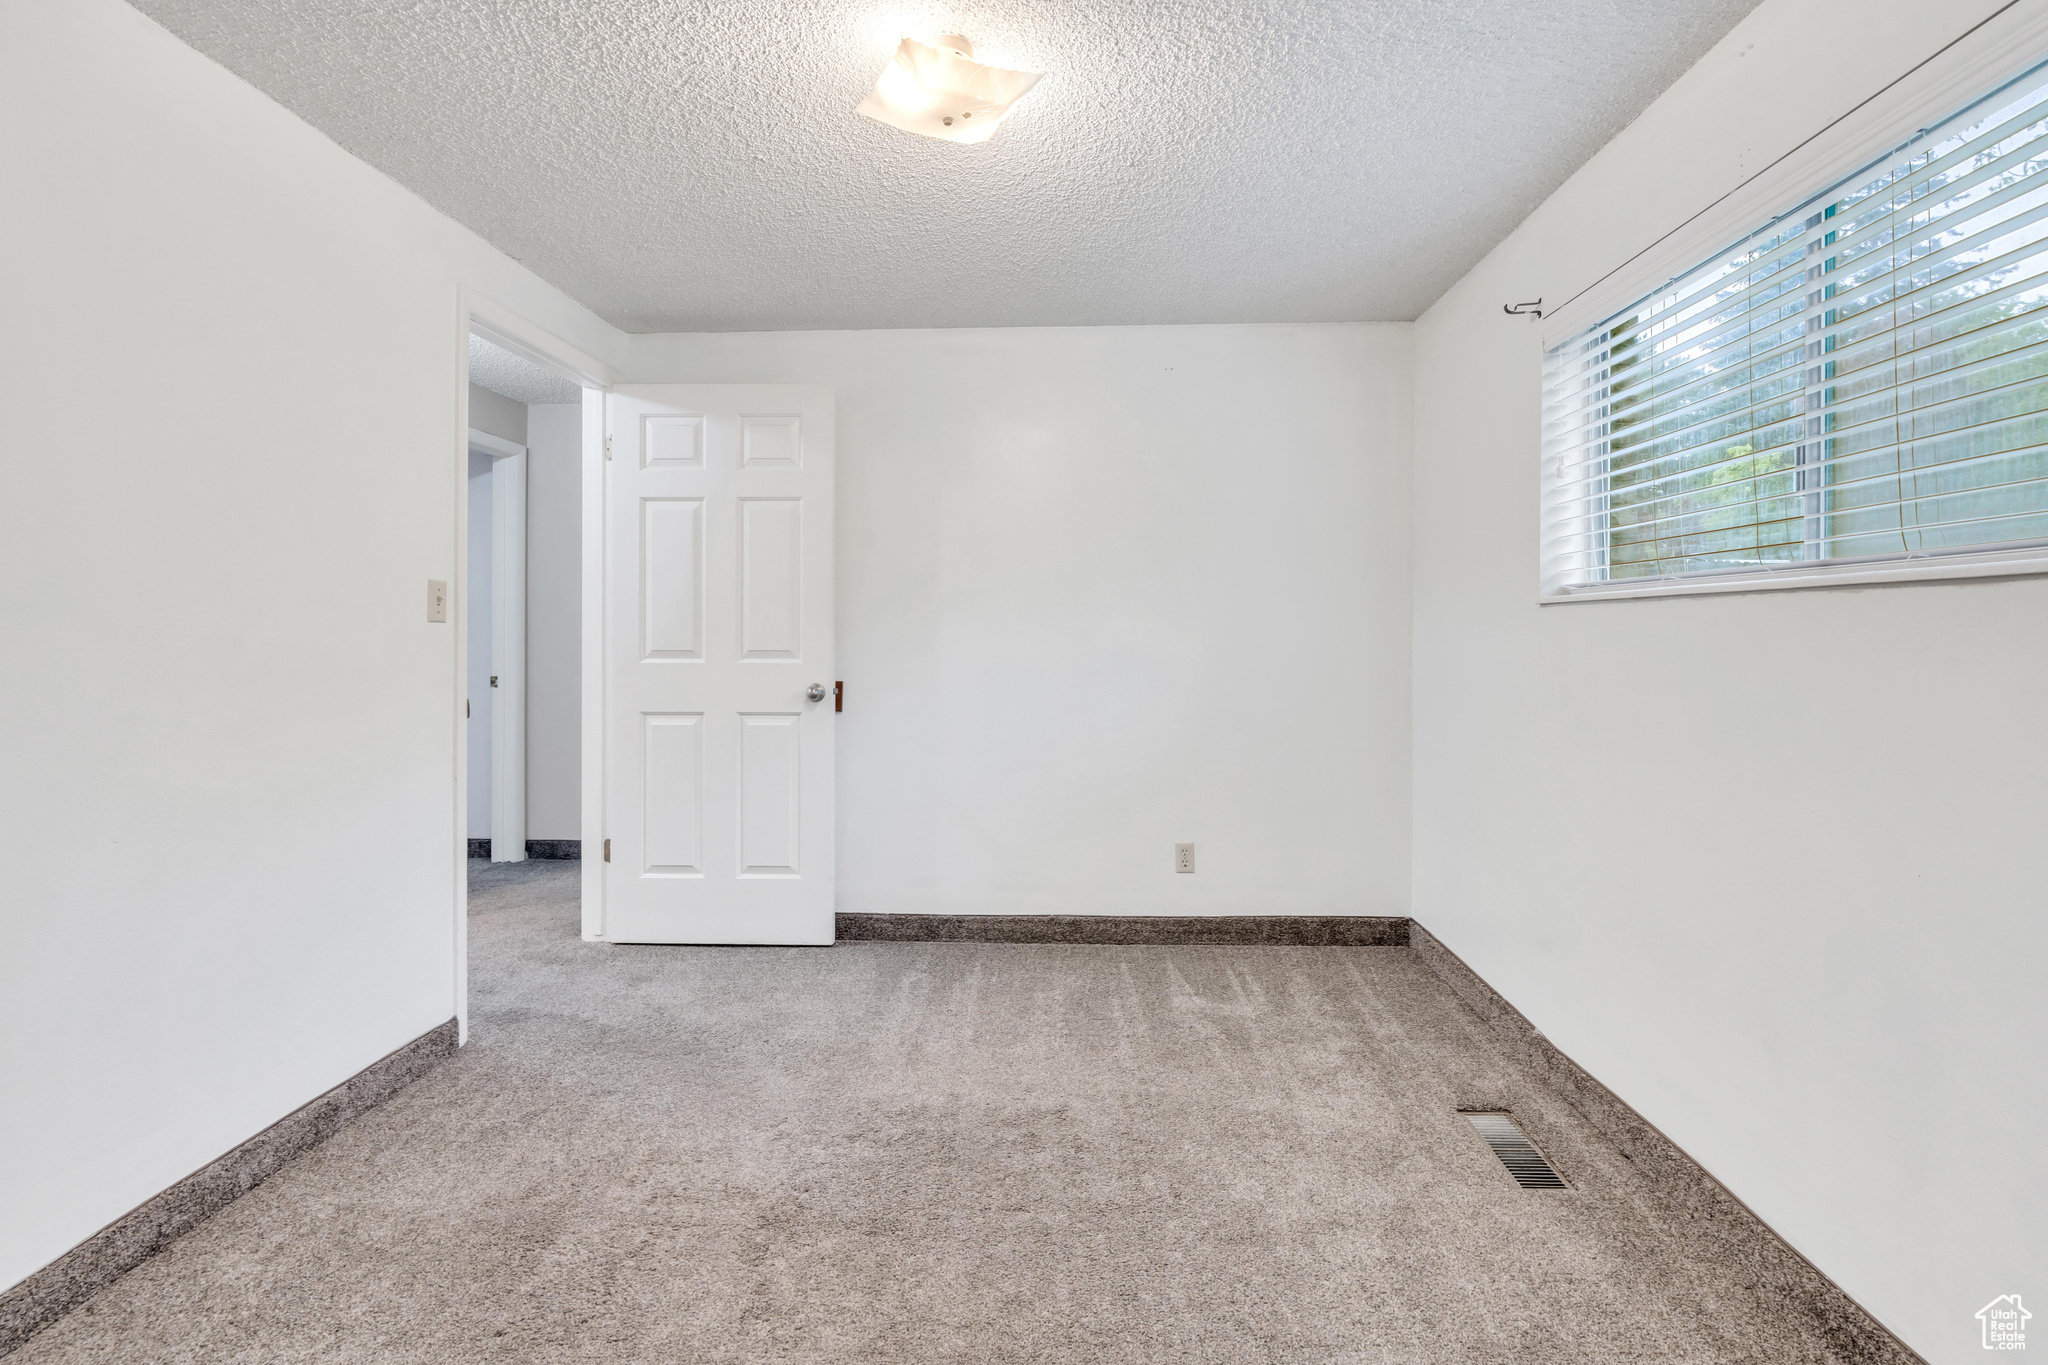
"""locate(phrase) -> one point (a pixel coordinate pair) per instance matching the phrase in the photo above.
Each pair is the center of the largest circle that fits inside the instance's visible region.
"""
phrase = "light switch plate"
(437, 600)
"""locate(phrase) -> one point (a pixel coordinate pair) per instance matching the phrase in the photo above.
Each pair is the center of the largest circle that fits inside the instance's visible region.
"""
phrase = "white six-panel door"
(718, 624)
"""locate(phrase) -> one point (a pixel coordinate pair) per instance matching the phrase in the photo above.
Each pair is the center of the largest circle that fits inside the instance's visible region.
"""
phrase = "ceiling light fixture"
(939, 90)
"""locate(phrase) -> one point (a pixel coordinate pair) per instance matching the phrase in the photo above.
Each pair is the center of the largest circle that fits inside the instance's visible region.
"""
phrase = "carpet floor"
(938, 1152)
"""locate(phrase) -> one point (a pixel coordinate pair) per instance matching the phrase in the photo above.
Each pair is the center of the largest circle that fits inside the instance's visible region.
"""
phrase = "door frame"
(508, 643)
(501, 326)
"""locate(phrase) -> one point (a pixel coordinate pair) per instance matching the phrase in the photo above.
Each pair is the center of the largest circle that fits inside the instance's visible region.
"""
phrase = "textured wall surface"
(700, 167)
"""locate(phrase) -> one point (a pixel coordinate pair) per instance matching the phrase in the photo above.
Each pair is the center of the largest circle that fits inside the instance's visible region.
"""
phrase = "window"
(1864, 380)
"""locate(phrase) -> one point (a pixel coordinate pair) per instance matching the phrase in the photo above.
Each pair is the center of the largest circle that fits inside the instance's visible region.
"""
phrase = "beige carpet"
(936, 1152)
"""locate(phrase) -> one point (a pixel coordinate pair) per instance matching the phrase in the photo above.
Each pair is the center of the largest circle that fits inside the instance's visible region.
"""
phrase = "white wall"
(1102, 590)
(554, 577)
(499, 416)
(478, 630)
(231, 733)
(1769, 866)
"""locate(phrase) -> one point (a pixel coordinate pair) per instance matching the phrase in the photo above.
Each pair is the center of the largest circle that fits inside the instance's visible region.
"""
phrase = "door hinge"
(607, 850)
(839, 696)
(494, 680)
(607, 447)
(465, 708)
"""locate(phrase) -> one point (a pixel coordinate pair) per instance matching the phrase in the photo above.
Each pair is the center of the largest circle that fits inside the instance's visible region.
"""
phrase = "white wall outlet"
(1183, 857)
(437, 600)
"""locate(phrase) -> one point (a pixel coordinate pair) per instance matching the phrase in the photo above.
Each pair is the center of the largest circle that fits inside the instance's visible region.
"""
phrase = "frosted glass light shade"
(939, 90)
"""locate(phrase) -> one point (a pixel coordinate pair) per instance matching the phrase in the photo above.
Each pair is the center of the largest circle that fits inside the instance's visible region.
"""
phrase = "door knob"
(817, 692)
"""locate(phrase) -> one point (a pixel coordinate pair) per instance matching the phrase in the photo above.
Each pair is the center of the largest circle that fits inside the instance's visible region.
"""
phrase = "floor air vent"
(1527, 1165)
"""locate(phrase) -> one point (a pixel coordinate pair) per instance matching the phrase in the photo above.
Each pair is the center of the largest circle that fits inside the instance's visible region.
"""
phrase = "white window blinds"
(1864, 379)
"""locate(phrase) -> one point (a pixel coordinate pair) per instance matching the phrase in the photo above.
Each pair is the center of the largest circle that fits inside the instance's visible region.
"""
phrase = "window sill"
(1951, 568)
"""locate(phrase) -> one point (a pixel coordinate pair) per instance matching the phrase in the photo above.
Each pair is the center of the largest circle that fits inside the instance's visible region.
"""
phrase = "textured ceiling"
(681, 165)
(517, 378)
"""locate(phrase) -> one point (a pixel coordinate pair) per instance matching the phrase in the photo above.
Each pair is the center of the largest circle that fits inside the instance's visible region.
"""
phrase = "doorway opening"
(529, 449)
(521, 622)
(495, 623)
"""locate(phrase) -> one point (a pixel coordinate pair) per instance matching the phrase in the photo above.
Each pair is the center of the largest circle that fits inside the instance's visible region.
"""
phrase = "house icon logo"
(2005, 1323)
